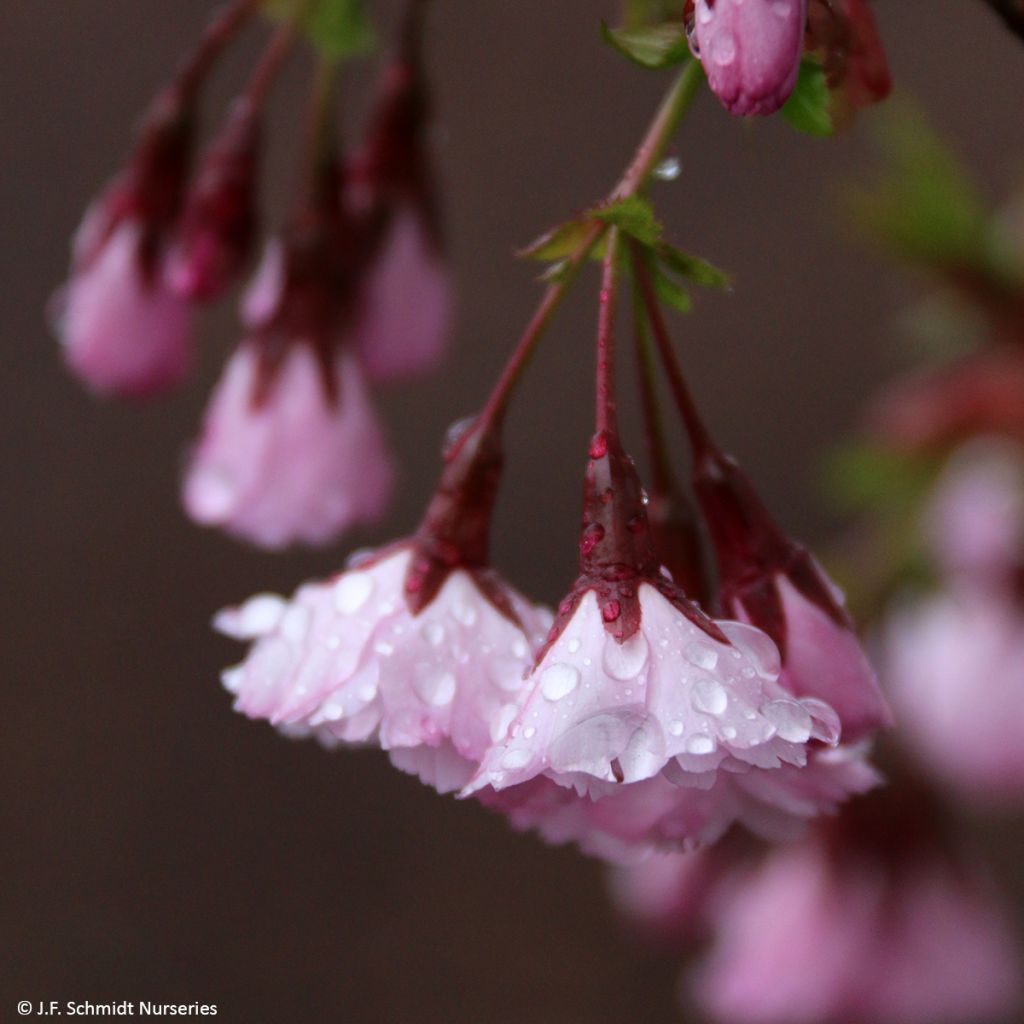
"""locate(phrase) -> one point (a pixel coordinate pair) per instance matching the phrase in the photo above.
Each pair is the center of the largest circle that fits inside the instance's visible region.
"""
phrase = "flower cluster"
(352, 292)
(634, 720)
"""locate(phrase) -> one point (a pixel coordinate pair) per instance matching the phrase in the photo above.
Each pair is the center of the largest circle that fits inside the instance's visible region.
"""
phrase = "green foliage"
(693, 268)
(633, 216)
(925, 207)
(337, 28)
(650, 46)
(561, 241)
(808, 108)
(865, 477)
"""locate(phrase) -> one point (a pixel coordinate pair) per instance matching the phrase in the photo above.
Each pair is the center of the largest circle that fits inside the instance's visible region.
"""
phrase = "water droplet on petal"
(709, 696)
(259, 615)
(700, 745)
(791, 720)
(676, 728)
(433, 633)
(352, 591)
(626, 660)
(559, 680)
(723, 49)
(515, 759)
(503, 719)
(435, 686)
(702, 655)
(295, 624)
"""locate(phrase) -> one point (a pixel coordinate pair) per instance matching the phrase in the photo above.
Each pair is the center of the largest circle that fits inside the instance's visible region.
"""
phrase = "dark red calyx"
(844, 33)
(218, 226)
(150, 188)
(392, 165)
(682, 546)
(321, 267)
(752, 552)
(617, 550)
(455, 530)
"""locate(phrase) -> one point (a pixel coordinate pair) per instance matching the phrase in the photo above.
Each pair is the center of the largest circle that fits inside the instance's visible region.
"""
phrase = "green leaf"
(561, 241)
(693, 268)
(633, 216)
(808, 107)
(653, 46)
(864, 477)
(670, 293)
(337, 28)
(925, 207)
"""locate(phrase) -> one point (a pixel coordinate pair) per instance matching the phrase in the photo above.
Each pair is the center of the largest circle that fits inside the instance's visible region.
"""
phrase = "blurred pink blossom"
(284, 459)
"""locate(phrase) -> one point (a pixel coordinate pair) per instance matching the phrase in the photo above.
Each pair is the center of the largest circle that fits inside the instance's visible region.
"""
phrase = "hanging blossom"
(875, 918)
(767, 579)
(957, 658)
(402, 325)
(420, 646)
(646, 724)
(122, 328)
(751, 50)
(291, 449)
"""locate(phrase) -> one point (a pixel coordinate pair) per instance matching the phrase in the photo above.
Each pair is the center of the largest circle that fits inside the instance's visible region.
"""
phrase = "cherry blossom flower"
(770, 581)
(858, 927)
(123, 331)
(955, 668)
(420, 647)
(402, 322)
(651, 720)
(289, 460)
(750, 50)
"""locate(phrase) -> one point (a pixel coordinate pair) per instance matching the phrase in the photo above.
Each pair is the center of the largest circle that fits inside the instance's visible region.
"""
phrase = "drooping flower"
(874, 919)
(647, 716)
(771, 582)
(291, 458)
(402, 323)
(750, 50)
(291, 448)
(420, 647)
(123, 331)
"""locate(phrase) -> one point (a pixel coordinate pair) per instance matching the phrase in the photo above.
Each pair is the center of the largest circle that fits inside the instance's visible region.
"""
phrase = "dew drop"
(259, 615)
(723, 49)
(435, 687)
(791, 720)
(626, 660)
(676, 728)
(702, 655)
(529, 732)
(352, 591)
(515, 759)
(709, 696)
(573, 645)
(559, 680)
(503, 719)
(700, 744)
(433, 633)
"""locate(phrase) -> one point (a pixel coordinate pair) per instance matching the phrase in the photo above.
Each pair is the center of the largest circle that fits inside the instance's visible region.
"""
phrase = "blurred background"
(157, 846)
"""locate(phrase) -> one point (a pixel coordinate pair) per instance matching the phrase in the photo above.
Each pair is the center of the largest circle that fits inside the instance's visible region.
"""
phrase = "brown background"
(158, 846)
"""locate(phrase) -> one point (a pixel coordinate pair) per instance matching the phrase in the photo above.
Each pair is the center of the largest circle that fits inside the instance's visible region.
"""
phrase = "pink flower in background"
(350, 661)
(750, 50)
(122, 329)
(402, 324)
(284, 460)
(955, 669)
(124, 332)
(664, 897)
(825, 934)
(976, 514)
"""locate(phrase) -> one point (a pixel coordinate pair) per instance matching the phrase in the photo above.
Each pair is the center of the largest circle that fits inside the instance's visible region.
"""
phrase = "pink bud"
(750, 50)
